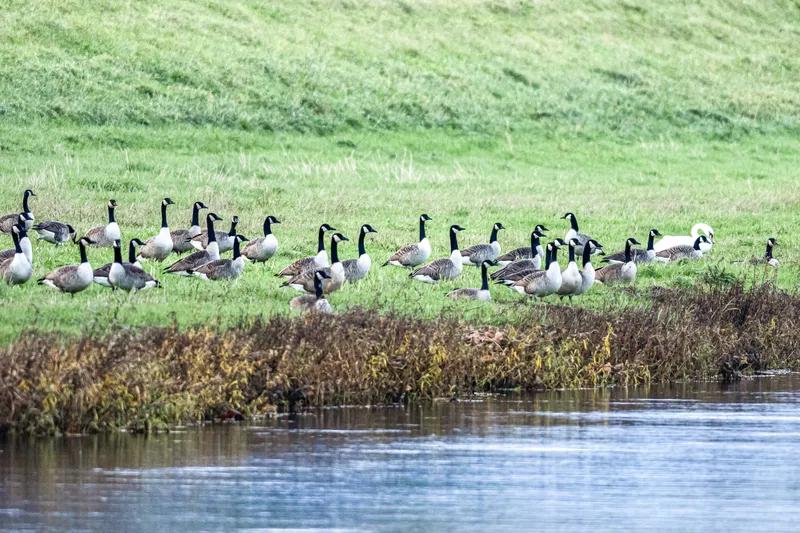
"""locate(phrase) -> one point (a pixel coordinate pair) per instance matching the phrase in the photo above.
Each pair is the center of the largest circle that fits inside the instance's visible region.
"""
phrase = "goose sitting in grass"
(477, 254)
(55, 232)
(574, 232)
(100, 275)
(224, 240)
(16, 270)
(182, 238)
(24, 242)
(312, 262)
(160, 246)
(104, 236)
(525, 252)
(532, 263)
(481, 294)
(356, 269)
(620, 272)
(639, 255)
(7, 222)
(126, 276)
(588, 273)
(671, 241)
(767, 258)
(193, 261)
(72, 278)
(305, 280)
(571, 276)
(683, 251)
(261, 249)
(414, 254)
(223, 269)
(443, 269)
(541, 283)
(313, 303)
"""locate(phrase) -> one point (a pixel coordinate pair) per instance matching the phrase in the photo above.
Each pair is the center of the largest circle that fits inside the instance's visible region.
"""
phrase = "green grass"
(631, 115)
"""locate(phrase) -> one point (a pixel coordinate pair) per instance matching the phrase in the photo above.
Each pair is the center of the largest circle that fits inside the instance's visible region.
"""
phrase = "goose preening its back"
(54, 232)
(639, 255)
(541, 283)
(16, 270)
(24, 242)
(571, 276)
(103, 236)
(72, 278)
(620, 272)
(315, 261)
(309, 303)
(356, 269)
(182, 238)
(445, 268)
(160, 246)
(100, 275)
(574, 232)
(532, 263)
(683, 251)
(224, 240)
(222, 269)
(305, 280)
(671, 241)
(477, 254)
(261, 249)
(525, 252)
(413, 254)
(127, 276)
(588, 273)
(481, 294)
(7, 222)
(193, 261)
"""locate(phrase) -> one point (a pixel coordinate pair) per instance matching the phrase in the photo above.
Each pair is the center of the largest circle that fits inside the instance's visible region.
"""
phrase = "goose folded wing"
(192, 261)
(405, 253)
(434, 269)
(297, 267)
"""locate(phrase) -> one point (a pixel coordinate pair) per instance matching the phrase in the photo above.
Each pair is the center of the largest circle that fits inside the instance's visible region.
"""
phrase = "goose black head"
(633, 241)
(116, 243)
(597, 246)
(321, 274)
(498, 226)
(574, 242)
(167, 201)
(22, 218)
(235, 219)
(558, 243)
(455, 228)
(338, 237)
(655, 233)
(366, 228)
(29, 192)
(424, 217)
(272, 220)
(137, 242)
(200, 205)
(569, 215)
(772, 241)
(213, 216)
(70, 229)
(242, 238)
(540, 230)
(489, 262)
(85, 241)
(112, 203)
(327, 227)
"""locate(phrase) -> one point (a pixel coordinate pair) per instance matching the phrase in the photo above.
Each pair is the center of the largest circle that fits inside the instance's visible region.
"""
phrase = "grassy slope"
(361, 112)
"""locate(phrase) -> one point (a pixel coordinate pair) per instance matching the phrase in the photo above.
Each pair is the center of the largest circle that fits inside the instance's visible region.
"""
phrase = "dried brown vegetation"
(148, 379)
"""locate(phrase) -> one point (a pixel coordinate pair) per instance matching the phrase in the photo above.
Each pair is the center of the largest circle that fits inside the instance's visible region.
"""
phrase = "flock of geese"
(530, 270)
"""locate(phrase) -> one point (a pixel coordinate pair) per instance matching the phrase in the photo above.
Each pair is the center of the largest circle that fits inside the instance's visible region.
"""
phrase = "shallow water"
(697, 457)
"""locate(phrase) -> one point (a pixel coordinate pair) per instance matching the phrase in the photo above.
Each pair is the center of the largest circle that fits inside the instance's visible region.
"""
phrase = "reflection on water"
(694, 457)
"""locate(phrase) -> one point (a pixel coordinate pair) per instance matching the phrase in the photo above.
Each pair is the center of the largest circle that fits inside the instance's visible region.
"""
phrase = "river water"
(694, 457)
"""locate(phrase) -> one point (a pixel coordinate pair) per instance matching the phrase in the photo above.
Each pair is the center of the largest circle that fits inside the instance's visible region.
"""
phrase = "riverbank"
(153, 378)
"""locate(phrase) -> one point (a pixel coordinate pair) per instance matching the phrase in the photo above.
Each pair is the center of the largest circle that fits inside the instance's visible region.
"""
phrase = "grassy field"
(632, 116)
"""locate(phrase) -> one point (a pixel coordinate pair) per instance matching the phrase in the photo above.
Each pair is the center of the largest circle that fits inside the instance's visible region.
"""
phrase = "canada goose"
(315, 261)
(182, 238)
(639, 255)
(24, 242)
(443, 269)
(7, 222)
(72, 278)
(54, 232)
(261, 249)
(477, 254)
(525, 252)
(316, 302)
(193, 261)
(126, 276)
(160, 246)
(587, 273)
(414, 254)
(571, 276)
(103, 236)
(767, 258)
(682, 251)
(305, 280)
(541, 283)
(533, 262)
(620, 272)
(481, 294)
(356, 269)
(101, 274)
(574, 233)
(16, 270)
(224, 240)
(670, 241)
(223, 268)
